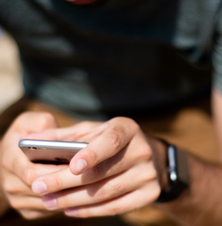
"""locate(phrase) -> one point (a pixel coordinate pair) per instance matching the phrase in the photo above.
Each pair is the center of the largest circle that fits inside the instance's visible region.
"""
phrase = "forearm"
(200, 204)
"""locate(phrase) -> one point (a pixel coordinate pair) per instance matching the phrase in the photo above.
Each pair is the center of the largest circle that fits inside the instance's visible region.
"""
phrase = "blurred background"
(10, 72)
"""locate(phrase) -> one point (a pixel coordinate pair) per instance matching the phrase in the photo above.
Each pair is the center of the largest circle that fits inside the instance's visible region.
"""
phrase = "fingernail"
(71, 212)
(39, 187)
(81, 165)
(49, 202)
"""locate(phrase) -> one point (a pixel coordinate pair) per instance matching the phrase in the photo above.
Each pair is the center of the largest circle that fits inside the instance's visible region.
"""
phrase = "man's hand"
(16, 172)
(114, 174)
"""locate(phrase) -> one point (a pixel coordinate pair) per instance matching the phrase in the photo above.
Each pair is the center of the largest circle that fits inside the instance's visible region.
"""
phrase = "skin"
(95, 176)
(17, 172)
(97, 172)
(102, 185)
(98, 180)
(29, 188)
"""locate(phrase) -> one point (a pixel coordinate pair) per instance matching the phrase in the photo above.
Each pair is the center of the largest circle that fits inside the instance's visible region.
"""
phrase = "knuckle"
(114, 188)
(131, 122)
(9, 188)
(31, 215)
(120, 127)
(46, 119)
(115, 139)
(113, 210)
(96, 172)
(150, 175)
(128, 121)
(153, 172)
(28, 176)
(110, 190)
(156, 193)
(64, 202)
(22, 116)
(16, 204)
(84, 213)
(4, 162)
(93, 156)
(101, 194)
(58, 182)
(146, 152)
(143, 152)
(27, 215)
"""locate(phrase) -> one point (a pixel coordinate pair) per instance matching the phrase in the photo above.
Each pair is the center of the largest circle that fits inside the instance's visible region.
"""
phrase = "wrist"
(172, 170)
(160, 160)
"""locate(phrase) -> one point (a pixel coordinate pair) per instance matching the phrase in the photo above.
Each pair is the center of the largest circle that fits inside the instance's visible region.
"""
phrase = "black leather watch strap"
(177, 173)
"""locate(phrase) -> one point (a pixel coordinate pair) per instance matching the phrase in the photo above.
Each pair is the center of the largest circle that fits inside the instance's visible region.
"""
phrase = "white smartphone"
(48, 151)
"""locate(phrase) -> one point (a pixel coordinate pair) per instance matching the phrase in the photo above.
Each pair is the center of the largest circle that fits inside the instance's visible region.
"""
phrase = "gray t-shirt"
(117, 57)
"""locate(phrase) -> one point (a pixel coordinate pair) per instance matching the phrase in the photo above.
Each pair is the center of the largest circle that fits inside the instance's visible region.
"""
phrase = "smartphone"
(48, 151)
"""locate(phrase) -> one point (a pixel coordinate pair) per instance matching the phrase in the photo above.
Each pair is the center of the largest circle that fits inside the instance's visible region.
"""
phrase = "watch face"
(177, 164)
(177, 174)
(182, 167)
(172, 163)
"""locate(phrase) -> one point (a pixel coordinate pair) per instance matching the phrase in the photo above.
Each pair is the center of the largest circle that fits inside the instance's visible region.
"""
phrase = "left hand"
(113, 175)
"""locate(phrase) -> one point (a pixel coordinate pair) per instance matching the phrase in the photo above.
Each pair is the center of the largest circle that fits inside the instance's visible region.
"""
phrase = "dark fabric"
(117, 57)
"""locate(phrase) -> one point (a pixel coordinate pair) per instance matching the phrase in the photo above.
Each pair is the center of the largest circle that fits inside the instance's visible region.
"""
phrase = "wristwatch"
(177, 171)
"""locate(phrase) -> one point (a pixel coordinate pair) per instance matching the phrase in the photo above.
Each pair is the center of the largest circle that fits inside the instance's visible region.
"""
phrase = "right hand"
(16, 172)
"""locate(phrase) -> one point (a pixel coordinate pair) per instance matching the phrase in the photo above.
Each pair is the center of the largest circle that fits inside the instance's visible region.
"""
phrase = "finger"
(126, 203)
(64, 179)
(22, 167)
(31, 122)
(116, 135)
(12, 157)
(82, 132)
(56, 181)
(34, 214)
(12, 185)
(122, 161)
(29, 172)
(103, 190)
(26, 202)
